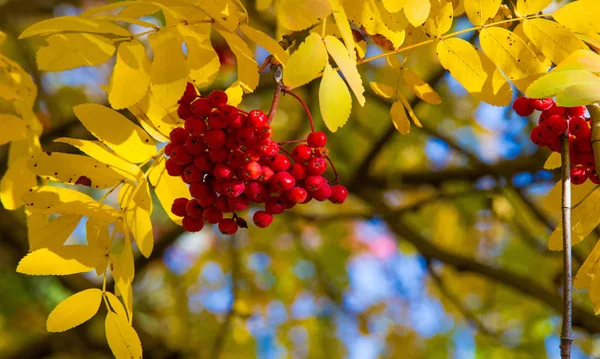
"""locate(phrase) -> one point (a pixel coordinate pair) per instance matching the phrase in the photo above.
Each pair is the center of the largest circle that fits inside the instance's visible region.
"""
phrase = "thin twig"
(566, 336)
(310, 119)
(275, 103)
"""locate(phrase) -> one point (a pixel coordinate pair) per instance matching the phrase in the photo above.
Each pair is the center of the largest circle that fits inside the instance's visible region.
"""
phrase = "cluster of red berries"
(229, 160)
(553, 122)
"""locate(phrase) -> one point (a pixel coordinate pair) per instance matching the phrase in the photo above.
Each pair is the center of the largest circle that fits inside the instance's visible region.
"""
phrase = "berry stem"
(275, 103)
(566, 335)
(335, 172)
(289, 142)
(310, 119)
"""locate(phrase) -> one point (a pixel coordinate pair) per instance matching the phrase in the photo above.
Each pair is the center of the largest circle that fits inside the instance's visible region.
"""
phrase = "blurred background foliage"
(440, 251)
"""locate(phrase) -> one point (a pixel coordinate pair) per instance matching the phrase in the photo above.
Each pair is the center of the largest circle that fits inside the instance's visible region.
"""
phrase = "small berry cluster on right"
(553, 122)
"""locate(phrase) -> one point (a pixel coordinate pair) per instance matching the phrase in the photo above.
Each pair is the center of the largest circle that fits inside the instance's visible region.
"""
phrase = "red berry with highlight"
(578, 174)
(298, 171)
(522, 107)
(257, 118)
(262, 219)
(316, 166)
(217, 98)
(201, 107)
(302, 153)
(317, 139)
(214, 138)
(178, 207)
(181, 156)
(339, 194)
(194, 209)
(280, 163)
(579, 127)
(297, 194)
(178, 136)
(228, 226)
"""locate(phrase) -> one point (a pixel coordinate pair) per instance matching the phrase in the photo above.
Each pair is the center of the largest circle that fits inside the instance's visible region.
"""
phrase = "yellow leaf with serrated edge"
(221, 11)
(306, 63)
(49, 199)
(555, 41)
(580, 60)
(75, 310)
(347, 65)
(579, 95)
(74, 169)
(399, 118)
(580, 16)
(266, 42)
(583, 279)
(341, 20)
(13, 128)
(584, 219)
(116, 305)
(169, 71)
(246, 65)
(136, 9)
(440, 18)
(123, 266)
(528, 7)
(125, 291)
(552, 202)
(512, 55)
(73, 24)
(68, 51)
(202, 59)
(420, 87)
(480, 11)
(122, 338)
(53, 233)
(100, 152)
(556, 81)
(167, 188)
(394, 6)
(152, 131)
(474, 71)
(383, 90)
(298, 15)
(234, 94)
(335, 101)
(417, 11)
(131, 76)
(373, 19)
(137, 208)
(116, 131)
(97, 236)
(163, 118)
(553, 161)
(62, 260)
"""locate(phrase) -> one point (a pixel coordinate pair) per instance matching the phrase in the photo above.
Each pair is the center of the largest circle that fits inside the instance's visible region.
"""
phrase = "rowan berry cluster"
(553, 122)
(229, 160)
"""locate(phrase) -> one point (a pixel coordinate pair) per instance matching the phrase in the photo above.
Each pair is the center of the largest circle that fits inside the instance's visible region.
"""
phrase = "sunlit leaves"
(116, 131)
(307, 62)
(421, 88)
(579, 95)
(480, 11)
(167, 188)
(584, 219)
(68, 51)
(122, 338)
(371, 16)
(299, 15)
(341, 20)
(347, 65)
(528, 7)
(169, 70)
(553, 161)
(131, 75)
(417, 11)
(580, 16)
(581, 60)
(73, 24)
(53, 233)
(62, 260)
(555, 41)
(265, 41)
(474, 71)
(393, 6)
(335, 101)
(136, 204)
(383, 90)
(399, 118)
(556, 81)
(75, 310)
(201, 58)
(162, 118)
(13, 128)
(440, 18)
(246, 65)
(234, 94)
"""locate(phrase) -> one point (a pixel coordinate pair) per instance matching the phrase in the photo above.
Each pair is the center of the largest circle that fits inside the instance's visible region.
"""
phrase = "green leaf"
(556, 81)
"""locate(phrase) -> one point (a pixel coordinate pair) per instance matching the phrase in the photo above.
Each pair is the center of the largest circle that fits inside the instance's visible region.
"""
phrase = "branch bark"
(566, 336)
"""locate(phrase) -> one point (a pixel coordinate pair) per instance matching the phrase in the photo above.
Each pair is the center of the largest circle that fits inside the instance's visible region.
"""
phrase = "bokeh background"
(440, 252)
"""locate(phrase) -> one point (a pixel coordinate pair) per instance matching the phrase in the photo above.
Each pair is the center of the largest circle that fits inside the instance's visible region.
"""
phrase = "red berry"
(200, 190)
(217, 98)
(180, 156)
(184, 111)
(201, 107)
(262, 219)
(256, 192)
(236, 159)
(579, 127)
(257, 118)
(578, 174)
(239, 122)
(189, 94)
(297, 194)
(268, 147)
(275, 205)
(228, 226)
(541, 104)
(555, 110)
(282, 181)
(212, 215)
(178, 207)
(194, 145)
(322, 193)
(578, 111)
(250, 171)
(280, 163)
(586, 159)
(215, 121)
(339, 194)
(522, 107)
(209, 200)
(582, 144)
(218, 155)
(222, 171)
(231, 143)
(214, 138)
(228, 114)
(223, 204)
(264, 132)
(301, 153)
(173, 169)
(239, 203)
(266, 174)
(178, 136)
(169, 148)
(203, 162)
(316, 166)
(556, 124)
(192, 174)
(247, 136)
(537, 136)
(593, 176)
(194, 209)
(317, 139)
(192, 225)
(195, 125)
(233, 188)
(313, 183)
(298, 171)
(252, 154)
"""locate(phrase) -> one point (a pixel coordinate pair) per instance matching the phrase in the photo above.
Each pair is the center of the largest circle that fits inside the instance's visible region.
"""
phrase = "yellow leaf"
(512, 55)
(552, 202)
(122, 338)
(393, 61)
(97, 236)
(223, 12)
(266, 42)
(410, 111)
(420, 87)
(137, 207)
(75, 310)
(202, 59)
(68, 51)
(306, 63)
(246, 65)
(167, 188)
(399, 118)
(347, 65)
(125, 291)
(116, 131)
(18, 179)
(54, 233)
(528, 7)
(440, 18)
(553, 161)
(580, 60)
(73, 24)
(234, 94)
(556, 81)
(480, 11)
(474, 71)
(555, 41)
(163, 119)
(131, 75)
(579, 95)
(394, 6)
(60, 261)
(584, 220)
(13, 128)
(371, 16)
(126, 19)
(383, 90)
(123, 267)
(169, 71)
(152, 131)
(2, 38)
(341, 20)
(579, 16)
(592, 40)
(583, 279)
(99, 151)
(298, 15)
(116, 305)
(417, 11)
(335, 101)
(73, 169)
(48, 199)
(16, 85)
